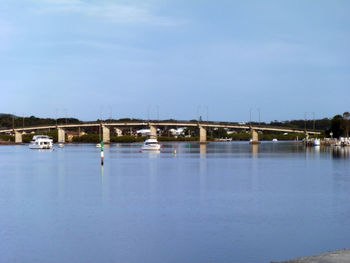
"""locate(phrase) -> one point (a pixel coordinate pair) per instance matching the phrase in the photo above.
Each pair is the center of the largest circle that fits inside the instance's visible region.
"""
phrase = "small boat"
(223, 139)
(98, 145)
(317, 142)
(151, 145)
(61, 145)
(41, 142)
(274, 140)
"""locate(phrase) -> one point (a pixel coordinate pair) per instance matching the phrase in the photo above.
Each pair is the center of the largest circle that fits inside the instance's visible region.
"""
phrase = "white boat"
(151, 145)
(61, 145)
(274, 140)
(317, 142)
(98, 145)
(41, 142)
(223, 140)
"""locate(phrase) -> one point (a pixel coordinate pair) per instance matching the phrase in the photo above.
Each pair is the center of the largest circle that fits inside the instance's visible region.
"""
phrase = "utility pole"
(198, 112)
(158, 113)
(207, 114)
(305, 117)
(56, 116)
(259, 115)
(250, 117)
(314, 120)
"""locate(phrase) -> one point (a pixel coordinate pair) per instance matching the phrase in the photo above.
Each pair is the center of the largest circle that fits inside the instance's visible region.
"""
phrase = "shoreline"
(338, 256)
(9, 143)
(23, 143)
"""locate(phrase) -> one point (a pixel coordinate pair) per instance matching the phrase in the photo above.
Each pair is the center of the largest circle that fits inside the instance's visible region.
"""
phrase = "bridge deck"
(162, 124)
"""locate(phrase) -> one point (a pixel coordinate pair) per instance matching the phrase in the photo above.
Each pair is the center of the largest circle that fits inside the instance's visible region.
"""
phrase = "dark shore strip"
(7, 143)
(340, 256)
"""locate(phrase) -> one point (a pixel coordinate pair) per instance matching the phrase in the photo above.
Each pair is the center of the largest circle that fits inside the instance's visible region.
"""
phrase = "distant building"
(145, 132)
(177, 132)
(118, 132)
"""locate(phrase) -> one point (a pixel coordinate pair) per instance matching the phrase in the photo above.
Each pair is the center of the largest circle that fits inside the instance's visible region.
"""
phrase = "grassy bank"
(7, 138)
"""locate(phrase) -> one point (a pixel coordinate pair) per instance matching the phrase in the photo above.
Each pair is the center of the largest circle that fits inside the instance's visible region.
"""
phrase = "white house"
(145, 132)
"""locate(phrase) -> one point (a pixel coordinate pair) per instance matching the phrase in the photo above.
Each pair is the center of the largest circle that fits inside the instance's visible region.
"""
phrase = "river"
(221, 202)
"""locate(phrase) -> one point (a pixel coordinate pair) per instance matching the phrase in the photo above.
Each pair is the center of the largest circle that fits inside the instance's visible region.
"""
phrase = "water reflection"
(152, 154)
(255, 150)
(341, 152)
(317, 148)
(202, 150)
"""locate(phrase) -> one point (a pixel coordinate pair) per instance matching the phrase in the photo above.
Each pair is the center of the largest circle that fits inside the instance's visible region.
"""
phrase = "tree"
(337, 126)
(220, 133)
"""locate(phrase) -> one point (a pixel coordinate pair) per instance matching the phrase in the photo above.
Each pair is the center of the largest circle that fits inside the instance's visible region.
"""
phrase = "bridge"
(202, 126)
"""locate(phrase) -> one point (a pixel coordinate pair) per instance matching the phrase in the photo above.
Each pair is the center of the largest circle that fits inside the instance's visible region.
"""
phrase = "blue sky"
(181, 57)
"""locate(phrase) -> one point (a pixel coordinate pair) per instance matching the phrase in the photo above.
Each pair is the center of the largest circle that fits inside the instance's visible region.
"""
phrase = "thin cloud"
(111, 12)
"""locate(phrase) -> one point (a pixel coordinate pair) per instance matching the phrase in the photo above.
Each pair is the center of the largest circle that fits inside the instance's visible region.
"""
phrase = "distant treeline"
(26, 138)
(320, 125)
(339, 125)
(9, 121)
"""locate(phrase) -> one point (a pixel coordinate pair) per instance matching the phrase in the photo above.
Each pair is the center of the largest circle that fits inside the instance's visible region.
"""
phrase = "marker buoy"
(140, 151)
(102, 155)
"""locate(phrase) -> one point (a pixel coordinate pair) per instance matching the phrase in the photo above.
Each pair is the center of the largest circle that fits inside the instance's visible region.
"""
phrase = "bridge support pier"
(106, 134)
(202, 135)
(153, 131)
(255, 137)
(61, 135)
(18, 137)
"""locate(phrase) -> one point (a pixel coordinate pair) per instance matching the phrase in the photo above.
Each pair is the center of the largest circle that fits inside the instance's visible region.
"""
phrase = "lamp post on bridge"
(250, 117)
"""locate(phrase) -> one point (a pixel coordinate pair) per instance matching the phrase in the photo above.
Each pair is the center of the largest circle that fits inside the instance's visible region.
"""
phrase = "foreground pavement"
(340, 256)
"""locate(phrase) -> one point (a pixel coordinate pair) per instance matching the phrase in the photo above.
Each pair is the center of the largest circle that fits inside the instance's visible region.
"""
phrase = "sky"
(175, 59)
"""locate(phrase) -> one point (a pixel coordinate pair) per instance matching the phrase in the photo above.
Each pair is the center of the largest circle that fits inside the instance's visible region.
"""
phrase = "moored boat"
(41, 142)
(317, 142)
(151, 145)
(223, 139)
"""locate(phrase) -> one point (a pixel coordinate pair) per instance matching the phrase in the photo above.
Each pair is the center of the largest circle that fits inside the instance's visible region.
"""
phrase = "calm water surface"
(225, 202)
